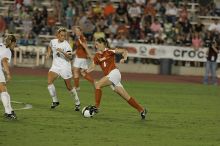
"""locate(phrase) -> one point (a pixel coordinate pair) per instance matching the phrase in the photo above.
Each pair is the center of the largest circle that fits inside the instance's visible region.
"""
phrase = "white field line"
(26, 106)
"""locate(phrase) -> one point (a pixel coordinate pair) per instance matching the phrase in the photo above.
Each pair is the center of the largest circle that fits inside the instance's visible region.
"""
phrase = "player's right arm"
(49, 50)
(5, 65)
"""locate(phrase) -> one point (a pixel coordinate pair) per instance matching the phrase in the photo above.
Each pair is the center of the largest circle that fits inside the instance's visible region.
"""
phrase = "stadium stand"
(34, 21)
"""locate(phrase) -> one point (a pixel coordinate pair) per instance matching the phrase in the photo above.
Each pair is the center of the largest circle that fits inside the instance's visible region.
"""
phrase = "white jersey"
(4, 53)
(58, 58)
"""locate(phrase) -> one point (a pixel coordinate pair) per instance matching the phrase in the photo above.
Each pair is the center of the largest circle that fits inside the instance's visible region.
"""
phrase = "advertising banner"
(162, 51)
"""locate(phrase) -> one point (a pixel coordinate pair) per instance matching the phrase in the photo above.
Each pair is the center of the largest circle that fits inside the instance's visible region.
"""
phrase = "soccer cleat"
(77, 107)
(94, 109)
(77, 88)
(10, 116)
(144, 114)
(13, 113)
(54, 104)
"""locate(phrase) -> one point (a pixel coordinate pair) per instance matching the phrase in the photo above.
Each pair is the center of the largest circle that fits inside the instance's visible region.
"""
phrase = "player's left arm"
(124, 53)
(6, 70)
(68, 55)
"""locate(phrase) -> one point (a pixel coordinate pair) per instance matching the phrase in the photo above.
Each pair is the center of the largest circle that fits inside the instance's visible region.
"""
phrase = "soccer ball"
(86, 112)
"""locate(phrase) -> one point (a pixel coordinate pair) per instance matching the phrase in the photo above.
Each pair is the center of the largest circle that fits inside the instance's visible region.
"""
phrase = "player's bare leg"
(76, 75)
(98, 92)
(6, 100)
(73, 93)
(131, 101)
(51, 88)
(87, 76)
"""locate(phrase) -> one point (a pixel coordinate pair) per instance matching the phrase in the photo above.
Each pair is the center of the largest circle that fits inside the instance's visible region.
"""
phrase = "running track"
(125, 76)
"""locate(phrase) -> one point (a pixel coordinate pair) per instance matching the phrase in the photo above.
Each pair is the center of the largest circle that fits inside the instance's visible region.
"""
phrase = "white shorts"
(2, 77)
(80, 63)
(115, 77)
(65, 73)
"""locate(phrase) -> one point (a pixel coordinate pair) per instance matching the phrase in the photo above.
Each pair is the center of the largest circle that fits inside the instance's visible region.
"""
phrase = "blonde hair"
(60, 29)
(9, 39)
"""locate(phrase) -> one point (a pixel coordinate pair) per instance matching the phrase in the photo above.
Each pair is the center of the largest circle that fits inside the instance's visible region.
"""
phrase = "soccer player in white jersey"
(5, 76)
(61, 66)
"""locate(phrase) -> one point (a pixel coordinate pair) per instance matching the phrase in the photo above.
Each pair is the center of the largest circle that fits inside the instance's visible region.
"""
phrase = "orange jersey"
(106, 60)
(80, 50)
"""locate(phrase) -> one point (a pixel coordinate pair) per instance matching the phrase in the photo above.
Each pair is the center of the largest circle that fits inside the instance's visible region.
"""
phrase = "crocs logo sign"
(188, 53)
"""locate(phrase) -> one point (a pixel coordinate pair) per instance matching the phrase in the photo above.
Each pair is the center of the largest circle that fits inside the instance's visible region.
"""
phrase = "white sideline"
(26, 106)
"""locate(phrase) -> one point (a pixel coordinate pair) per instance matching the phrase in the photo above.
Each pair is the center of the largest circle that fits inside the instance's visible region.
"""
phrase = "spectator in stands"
(51, 21)
(27, 24)
(211, 64)
(196, 45)
(208, 38)
(215, 26)
(199, 27)
(178, 40)
(113, 40)
(122, 8)
(44, 13)
(150, 12)
(28, 3)
(186, 27)
(197, 41)
(97, 10)
(156, 27)
(108, 11)
(18, 3)
(168, 30)
(183, 14)
(122, 40)
(135, 29)
(58, 9)
(148, 35)
(120, 16)
(70, 12)
(140, 2)
(171, 12)
(134, 11)
(113, 27)
(187, 41)
(87, 25)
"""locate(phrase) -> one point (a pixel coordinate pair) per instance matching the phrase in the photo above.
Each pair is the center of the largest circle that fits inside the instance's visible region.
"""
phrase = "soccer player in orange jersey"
(80, 64)
(105, 57)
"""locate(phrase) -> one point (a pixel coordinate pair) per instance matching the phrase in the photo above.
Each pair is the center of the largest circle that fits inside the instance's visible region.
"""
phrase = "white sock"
(9, 101)
(52, 91)
(74, 93)
(6, 102)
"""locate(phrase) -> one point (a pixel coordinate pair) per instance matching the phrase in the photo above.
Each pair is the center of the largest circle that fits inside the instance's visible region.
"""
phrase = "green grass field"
(179, 115)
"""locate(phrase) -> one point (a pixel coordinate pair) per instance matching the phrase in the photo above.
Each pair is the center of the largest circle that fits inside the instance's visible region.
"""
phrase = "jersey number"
(104, 64)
